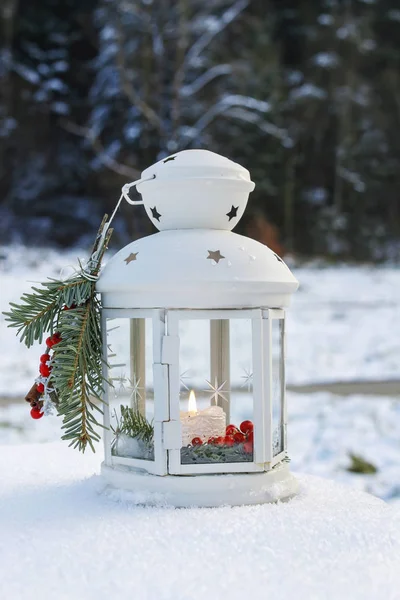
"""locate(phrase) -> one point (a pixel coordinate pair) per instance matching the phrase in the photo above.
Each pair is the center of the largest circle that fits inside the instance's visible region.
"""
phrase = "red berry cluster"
(233, 436)
(44, 370)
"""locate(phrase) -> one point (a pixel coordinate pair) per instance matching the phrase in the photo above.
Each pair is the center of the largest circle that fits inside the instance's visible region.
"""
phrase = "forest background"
(304, 93)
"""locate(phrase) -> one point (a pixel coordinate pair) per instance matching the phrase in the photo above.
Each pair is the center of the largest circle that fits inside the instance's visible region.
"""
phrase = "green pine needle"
(133, 424)
(77, 363)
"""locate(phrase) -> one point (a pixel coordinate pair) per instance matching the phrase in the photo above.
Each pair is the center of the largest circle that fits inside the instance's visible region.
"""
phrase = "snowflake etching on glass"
(248, 379)
(217, 391)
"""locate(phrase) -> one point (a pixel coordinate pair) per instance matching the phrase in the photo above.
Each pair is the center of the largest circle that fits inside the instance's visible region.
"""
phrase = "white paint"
(173, 270)
(207, 490)
(195, 197)
(196, 189)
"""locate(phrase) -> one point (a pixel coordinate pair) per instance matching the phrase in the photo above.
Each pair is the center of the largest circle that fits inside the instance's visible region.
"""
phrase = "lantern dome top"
(196, 268)
(195, 198)
(195, 189)
(194, 164)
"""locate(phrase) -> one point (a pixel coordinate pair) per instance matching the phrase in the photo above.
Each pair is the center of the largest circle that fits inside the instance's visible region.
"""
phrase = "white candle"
(210, 422)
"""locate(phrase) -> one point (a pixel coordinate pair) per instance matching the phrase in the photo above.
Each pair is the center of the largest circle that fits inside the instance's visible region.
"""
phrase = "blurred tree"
(305, 94)
(45, 170)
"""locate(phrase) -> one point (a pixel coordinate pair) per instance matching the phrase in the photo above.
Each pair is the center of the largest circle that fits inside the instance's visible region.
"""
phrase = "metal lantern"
(194, 341)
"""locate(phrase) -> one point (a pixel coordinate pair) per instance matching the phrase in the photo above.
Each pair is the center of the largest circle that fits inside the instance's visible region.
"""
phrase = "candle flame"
(192, 405)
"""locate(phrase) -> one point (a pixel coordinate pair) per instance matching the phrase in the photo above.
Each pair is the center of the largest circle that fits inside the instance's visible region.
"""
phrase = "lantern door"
(216, 392)
(136, 397)
(274, 369)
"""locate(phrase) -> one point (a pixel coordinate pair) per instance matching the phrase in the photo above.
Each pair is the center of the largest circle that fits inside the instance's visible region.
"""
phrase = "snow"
(341, 325)
(368, 45)
(394, 14)
(324, 429)
(316, 195)
(307, 90)
(26, 73)
(326, 19)
(63, 537)
(346, 31)
(327, 60)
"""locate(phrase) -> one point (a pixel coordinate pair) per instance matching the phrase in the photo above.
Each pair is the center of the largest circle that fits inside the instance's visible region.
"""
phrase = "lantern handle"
(126, 188)
(124, 194)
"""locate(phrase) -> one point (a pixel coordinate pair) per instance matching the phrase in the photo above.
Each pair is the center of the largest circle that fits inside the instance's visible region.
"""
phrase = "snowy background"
(342, 327)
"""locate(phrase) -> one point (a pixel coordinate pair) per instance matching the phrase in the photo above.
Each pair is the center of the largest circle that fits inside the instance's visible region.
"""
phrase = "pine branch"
(135, 425)
(77, 364)
(36, 315)
(77, 373)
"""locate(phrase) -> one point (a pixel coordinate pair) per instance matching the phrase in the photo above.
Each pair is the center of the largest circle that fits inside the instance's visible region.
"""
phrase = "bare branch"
(129, 89)
(221, 107)
(179, 75)
(228, 16)
(265, 126)
(200, 82)
(100, 151)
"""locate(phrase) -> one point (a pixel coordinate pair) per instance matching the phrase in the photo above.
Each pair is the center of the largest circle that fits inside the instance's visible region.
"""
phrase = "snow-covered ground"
(343, 325)
(64, 537)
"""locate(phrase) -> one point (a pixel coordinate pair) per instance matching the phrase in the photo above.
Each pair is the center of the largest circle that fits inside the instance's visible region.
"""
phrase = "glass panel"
(216, 391)
(277, 387)
(131, 393)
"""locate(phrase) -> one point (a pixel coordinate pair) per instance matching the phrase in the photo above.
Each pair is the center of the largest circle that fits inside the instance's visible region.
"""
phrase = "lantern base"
(183, 491)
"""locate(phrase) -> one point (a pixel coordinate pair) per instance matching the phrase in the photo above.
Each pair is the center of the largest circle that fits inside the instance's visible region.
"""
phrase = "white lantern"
(194, 338)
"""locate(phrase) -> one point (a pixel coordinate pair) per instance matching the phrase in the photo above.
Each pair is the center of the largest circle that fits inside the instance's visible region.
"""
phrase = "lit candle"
(210, 422)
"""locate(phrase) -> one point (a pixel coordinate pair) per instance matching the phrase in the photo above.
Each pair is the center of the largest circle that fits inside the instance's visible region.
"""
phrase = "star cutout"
(233, 212)
(168, 159)
(155, 213)
(215, 255)
(131, 257)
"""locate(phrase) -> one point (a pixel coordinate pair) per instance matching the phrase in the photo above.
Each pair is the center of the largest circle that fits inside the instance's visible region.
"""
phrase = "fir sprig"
(77, 373)
(76, 366)
(133, 424)
(37, 314)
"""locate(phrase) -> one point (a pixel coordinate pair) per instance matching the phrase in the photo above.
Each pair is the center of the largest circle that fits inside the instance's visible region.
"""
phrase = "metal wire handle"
(126, 188)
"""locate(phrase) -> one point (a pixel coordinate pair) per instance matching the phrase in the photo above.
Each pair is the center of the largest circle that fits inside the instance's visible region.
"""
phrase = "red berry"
(248, 447)
(44, 358)
(49, 342)
(36, 414)
(250, 436)
(53, 340)
(219, 441)
(56, 338)
(231, 429)
(211, 440)
(239, 438)
(229, 441)
(197, 441)
(40, 388)
(69, 307)
(44, 370)
(246, 426)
